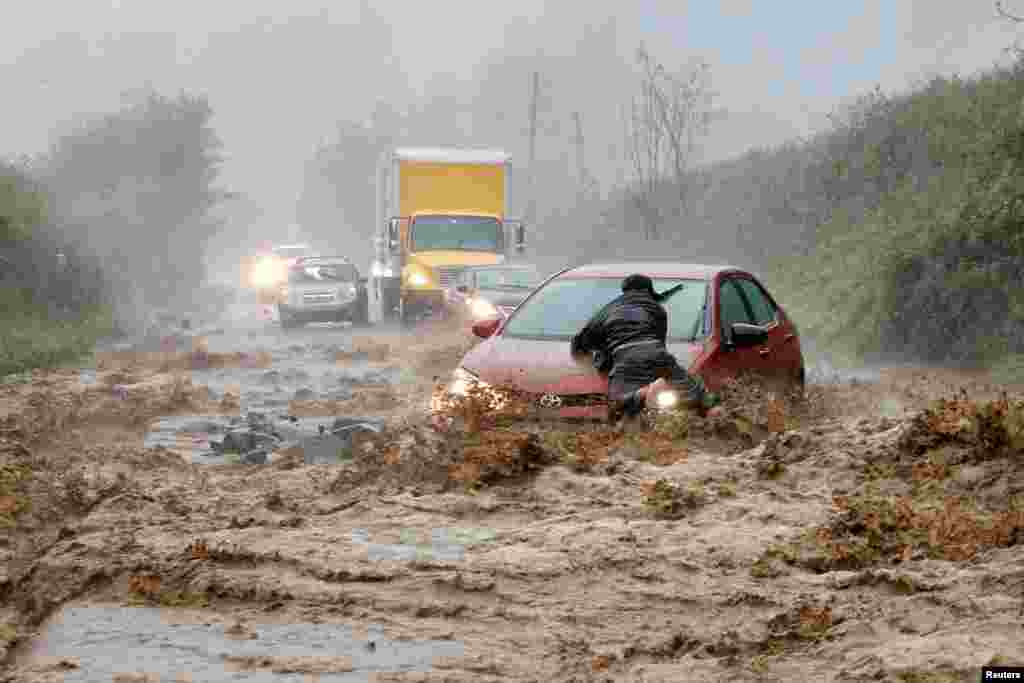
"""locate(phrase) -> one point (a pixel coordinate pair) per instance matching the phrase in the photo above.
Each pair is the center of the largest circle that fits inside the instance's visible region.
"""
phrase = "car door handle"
(764, 352)
(790, 337)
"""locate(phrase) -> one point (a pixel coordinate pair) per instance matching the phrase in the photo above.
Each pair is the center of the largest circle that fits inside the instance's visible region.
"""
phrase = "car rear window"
(562, 307)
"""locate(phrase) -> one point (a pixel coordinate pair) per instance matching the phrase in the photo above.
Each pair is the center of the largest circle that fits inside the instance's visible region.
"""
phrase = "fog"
(282, 79)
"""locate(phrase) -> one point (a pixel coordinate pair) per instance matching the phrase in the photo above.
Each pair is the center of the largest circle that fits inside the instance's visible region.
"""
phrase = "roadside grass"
(1009, 369)
(30, 339)
(936, 516)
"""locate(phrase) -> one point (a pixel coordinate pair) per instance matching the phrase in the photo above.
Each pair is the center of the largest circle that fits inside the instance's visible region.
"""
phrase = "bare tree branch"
(1002, 12)
(673, 113)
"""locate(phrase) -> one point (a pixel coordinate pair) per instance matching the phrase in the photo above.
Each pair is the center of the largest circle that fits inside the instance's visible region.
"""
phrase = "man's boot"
(631, 420)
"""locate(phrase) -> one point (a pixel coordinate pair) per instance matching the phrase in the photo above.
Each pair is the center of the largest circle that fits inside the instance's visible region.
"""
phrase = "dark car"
(322, 289)
(723, 322)
(484, 291)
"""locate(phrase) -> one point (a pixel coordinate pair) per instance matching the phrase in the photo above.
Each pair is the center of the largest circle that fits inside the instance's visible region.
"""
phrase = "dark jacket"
(633, 317)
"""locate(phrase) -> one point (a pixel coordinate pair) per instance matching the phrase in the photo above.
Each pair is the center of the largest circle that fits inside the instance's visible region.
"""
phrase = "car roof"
(654, 269)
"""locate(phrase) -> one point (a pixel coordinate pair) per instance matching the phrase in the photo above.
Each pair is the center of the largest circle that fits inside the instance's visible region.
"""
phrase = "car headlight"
(265, 273)
(462, 380)
(666, 400)
(483, 309)
(380, 270)
(418, 279)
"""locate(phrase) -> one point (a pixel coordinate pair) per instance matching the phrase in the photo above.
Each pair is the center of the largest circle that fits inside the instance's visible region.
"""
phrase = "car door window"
(731, 306)
(761, 306)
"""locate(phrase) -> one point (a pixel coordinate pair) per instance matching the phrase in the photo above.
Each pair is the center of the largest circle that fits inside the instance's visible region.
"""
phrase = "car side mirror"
(393, 234)
(745, 335)
(486, 328)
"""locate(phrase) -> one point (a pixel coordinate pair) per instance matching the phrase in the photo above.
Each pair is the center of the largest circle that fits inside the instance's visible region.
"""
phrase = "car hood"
(540, 366)
(319, 286)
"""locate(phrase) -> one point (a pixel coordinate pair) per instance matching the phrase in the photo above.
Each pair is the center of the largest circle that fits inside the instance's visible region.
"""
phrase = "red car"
(721, 323)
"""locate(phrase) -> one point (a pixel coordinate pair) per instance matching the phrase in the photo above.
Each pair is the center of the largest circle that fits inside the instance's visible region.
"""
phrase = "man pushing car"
(626, 340)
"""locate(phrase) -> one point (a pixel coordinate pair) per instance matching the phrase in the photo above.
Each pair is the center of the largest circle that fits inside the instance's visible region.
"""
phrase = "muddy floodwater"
(290, 514)
(108, 641)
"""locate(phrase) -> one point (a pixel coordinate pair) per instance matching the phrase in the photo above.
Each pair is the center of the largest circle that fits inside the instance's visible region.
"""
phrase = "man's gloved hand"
(712, 405)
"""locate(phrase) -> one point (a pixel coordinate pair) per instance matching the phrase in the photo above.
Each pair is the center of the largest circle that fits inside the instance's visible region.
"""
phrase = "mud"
(749, 549)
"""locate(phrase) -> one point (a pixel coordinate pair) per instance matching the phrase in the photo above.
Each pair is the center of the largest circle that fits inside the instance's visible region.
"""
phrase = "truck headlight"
(483, 309)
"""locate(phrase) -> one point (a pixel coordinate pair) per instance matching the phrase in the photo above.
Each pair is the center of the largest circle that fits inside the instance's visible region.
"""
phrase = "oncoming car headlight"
(483, 309)
(265, 273)
(380, 270)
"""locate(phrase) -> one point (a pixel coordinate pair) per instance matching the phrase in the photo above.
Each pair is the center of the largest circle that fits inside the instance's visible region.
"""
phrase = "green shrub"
(29, 339)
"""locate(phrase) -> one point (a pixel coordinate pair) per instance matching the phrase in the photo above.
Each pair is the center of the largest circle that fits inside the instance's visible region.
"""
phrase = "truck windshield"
(463, 233)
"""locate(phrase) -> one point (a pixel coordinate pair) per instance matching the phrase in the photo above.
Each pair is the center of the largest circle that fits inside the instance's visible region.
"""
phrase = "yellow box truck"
(439, 210)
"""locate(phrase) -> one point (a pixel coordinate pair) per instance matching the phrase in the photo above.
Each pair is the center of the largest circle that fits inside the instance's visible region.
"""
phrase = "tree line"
(116, 213)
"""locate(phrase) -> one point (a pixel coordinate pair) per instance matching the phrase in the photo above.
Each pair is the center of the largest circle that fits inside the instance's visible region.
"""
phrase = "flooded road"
(287, 514)
(132, 643)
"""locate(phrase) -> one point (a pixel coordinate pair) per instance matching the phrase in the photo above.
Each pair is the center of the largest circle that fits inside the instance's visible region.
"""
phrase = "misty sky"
(279, 75)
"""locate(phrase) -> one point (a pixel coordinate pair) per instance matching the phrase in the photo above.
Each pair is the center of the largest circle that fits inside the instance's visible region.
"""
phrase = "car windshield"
(518, 278)
(562, 307)
(324, 272)
(467, 233)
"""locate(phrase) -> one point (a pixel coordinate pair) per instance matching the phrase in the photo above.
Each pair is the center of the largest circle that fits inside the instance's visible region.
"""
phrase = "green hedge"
(29, 339)
(934, 269)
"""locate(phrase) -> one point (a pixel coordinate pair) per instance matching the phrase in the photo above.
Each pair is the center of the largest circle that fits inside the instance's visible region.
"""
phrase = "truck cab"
(446, 211)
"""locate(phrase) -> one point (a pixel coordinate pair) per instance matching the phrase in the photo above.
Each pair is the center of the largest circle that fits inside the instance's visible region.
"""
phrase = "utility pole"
(581, 170)
(534, 95)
